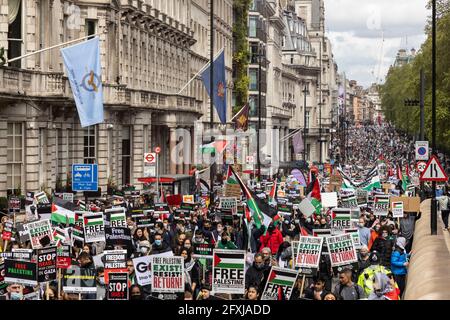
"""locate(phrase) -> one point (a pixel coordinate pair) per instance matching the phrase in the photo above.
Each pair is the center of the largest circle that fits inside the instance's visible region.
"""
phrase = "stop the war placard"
(40, 232)
(46, 258)
(279, 278)
(167, 274)
(118, 286)
(228, 271)
(342, 250)
(308, 254)
(94, 227)
(22, 272)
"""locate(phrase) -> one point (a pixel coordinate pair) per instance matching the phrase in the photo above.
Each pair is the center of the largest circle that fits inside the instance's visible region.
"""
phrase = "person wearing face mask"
(144, 248)
(363, 259)
(225, 242)
(101, 286)
(257, 273)
(159, 246)
(159, 228)
(15, 292)
(363, 231)
(198, 238)
(136, 292)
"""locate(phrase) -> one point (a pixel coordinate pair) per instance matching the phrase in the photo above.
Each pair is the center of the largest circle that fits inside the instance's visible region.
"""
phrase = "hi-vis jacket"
(366, 278)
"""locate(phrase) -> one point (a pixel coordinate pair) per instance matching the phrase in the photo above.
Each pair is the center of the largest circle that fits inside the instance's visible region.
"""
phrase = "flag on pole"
(259, 217)
(241, 118)
(297, 142)
(273, 192)
(313, 193)
(216, 147)
(82, 62)
(220, 86)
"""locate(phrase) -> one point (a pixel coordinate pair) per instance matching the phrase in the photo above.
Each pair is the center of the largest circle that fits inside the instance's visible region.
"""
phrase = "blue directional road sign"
(84, 177)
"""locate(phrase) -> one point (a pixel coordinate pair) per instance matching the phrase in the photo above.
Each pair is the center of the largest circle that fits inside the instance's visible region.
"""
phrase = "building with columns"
(149, 51)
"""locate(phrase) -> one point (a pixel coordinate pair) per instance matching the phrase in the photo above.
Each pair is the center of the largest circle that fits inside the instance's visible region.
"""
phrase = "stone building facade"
(149, 50)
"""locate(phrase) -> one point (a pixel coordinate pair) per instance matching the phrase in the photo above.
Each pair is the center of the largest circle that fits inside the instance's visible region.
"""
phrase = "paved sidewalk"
(429, 271)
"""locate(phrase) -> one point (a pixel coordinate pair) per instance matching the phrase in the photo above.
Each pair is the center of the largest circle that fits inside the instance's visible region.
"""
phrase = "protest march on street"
(341, 233)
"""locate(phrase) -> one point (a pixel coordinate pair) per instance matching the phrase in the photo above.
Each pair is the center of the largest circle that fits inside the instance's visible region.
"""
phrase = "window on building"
(308, 151)
(126, 155)
(15, 31)
(14, 161)
(253, 101)
(283, 43)
(42, 155)
(253, 74)
(252, 26)
(90, 27)
(90, 140)
(60, 153)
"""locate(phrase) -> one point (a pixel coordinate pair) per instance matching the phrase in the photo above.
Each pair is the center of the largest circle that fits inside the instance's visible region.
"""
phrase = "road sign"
(157, 149)
(84, 177)
(250, 160)
(421, 165)
(422, 150)
(434, 171)
(149, 171)
(150, 158)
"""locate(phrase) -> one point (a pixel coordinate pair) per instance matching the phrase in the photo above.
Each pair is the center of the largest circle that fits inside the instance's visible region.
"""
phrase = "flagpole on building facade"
(211, 97)
(52, 47)
(200, 71)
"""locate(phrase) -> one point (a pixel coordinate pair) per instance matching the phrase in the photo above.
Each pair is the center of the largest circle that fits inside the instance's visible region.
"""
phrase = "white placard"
(329, 199)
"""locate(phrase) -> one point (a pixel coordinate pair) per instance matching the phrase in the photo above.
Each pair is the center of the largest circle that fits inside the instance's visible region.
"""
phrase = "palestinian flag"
(231, 259)
(347, 182)
(60, 235)
(81, 205)
(248, 215)
(93, 219)
(282, 278)
(117, 216)
(273, 192)
(77, 230)
(313, 193)
(259, 217)
(214, 147)
(231, 176)
(41, 197)
(61, 215)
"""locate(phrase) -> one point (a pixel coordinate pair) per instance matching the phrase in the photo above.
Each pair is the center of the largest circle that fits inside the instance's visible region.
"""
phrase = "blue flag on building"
(83, 67)
(220, 88)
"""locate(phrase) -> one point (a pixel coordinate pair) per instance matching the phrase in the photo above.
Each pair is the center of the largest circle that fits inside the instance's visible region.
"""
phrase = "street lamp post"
(258, 156)
(433, 115)
(211, 100)
(305, 92)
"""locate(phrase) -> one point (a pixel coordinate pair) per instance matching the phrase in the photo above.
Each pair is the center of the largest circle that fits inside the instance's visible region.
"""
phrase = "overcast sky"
(355, 28)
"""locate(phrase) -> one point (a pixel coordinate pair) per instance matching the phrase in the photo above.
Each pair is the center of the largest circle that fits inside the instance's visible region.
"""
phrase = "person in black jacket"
(325, 271)
(257, 273)
(384, 245)
(317, 290)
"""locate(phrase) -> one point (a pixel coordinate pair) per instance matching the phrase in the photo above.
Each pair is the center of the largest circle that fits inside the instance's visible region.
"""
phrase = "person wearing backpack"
(346, 289)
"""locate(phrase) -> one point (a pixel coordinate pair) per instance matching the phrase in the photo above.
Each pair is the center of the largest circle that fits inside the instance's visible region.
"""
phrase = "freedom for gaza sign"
(228, 271)
(342, 251)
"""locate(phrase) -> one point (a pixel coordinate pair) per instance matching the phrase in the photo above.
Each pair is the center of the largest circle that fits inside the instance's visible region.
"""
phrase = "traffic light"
(2, 56)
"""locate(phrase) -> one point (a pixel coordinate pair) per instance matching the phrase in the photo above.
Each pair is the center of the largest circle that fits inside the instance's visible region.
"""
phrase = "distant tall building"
(404, 57)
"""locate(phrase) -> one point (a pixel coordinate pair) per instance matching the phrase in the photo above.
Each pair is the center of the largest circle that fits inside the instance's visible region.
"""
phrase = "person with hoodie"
(363, 260)
(384, 245)
(363, 231)
(191, 270)
(400, 263)
(382, 288)
(272, 239)
(257, 273)
(366, 278)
